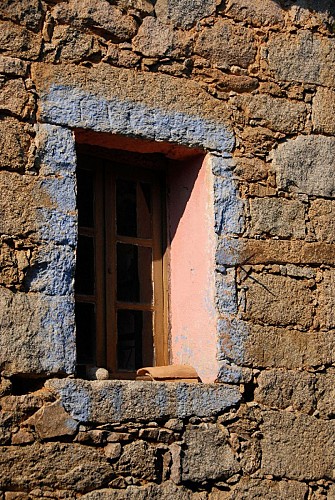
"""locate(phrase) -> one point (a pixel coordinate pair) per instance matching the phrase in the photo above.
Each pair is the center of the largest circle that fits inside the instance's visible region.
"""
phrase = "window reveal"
(119, 274)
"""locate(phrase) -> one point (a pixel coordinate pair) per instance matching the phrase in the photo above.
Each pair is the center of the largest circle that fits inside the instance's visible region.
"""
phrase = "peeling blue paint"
(233, 334)
(117, 401)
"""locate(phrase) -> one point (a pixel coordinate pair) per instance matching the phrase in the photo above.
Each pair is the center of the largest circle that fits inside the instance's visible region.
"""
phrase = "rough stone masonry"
(251, 83)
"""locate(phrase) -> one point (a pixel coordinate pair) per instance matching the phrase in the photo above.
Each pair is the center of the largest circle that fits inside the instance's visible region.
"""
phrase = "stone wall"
(252, 83)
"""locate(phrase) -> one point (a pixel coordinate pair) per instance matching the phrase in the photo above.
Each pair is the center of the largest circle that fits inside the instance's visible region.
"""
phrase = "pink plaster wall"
(192, 257)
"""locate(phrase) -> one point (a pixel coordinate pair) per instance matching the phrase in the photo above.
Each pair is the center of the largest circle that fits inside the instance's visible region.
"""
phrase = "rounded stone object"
(95, 373)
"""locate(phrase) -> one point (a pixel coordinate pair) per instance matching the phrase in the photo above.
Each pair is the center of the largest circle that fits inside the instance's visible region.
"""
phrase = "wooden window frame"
(107, 165)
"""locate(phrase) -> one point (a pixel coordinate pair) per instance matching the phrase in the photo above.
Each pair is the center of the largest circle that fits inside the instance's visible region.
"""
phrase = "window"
(119, 284)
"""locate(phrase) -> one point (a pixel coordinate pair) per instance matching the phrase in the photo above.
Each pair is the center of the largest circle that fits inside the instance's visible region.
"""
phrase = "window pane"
(85, 198)
(133, 208)
(134, 339)
(85, 324)
(126, 213)
(85, 266)
(144, 210)
(134, 273)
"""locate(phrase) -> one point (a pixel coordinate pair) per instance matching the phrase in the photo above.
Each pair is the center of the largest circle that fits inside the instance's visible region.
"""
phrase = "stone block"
(13, 96)
(101, 16)
(14, 144)
(325, 311)
(297, 447)
(325, 394)
(305, 57)
(184, 13)
(278, 114)
(13, 66)
(265, 13)
(252, 489)
(165, 490)
(223, 83)
(11, 272)
(233, 251)
(278, 300)
(277, 217)
(305, 165)
(232, 334)
(175, 471)
(138, 459)
(156, 39)
(62, 466)
(116, 401)
(19, 42)
(282, 389)
(37, 333)
(70, 44)
(226, 45)
(298, 271)
(207, 455)
(20, 408)
(27, 12)
(56, 150)
(251, 169)
(129, 102)
(113, 451)
(310, 15)
(226, 298)
(42, 208)
(52, 421)
(229, 207)
(15, 495)
(23, 437)
(51, 270)
(322, 116)
(142, 7)
(322, 220)
(267, 347)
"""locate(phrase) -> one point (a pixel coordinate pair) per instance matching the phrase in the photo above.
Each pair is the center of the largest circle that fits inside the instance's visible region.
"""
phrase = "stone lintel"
(132, 103)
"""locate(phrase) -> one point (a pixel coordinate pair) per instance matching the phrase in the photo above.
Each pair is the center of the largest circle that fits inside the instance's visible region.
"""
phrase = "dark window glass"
(134, 340)
(85, 266)
(144, 210)
(85, 198)
(134, 273)
(85, 324)
(126, 212)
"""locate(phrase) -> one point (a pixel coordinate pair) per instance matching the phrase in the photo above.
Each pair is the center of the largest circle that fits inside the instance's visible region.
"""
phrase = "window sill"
(118, 400)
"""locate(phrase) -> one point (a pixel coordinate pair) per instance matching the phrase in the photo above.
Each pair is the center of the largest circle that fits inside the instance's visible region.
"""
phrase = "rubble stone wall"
(251, 83)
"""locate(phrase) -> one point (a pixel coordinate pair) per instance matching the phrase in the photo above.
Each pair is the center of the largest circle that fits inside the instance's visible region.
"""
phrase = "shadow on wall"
(316, 5)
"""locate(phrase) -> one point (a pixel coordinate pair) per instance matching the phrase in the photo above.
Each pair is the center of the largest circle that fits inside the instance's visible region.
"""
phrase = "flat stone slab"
(115, 400)
(128, 102)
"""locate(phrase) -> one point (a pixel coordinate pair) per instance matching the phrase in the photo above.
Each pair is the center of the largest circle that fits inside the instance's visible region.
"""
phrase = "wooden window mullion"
(110, 264)
(99, 266)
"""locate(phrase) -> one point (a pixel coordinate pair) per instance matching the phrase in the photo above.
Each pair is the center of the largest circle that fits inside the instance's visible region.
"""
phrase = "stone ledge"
(115, 400)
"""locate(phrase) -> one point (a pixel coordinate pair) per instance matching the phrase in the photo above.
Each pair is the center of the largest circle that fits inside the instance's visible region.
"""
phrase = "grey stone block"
(305, 57)
(184, 13)
(305, 165)
(113, 400)
(306, 453)
(37, 333)
(208, 455)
